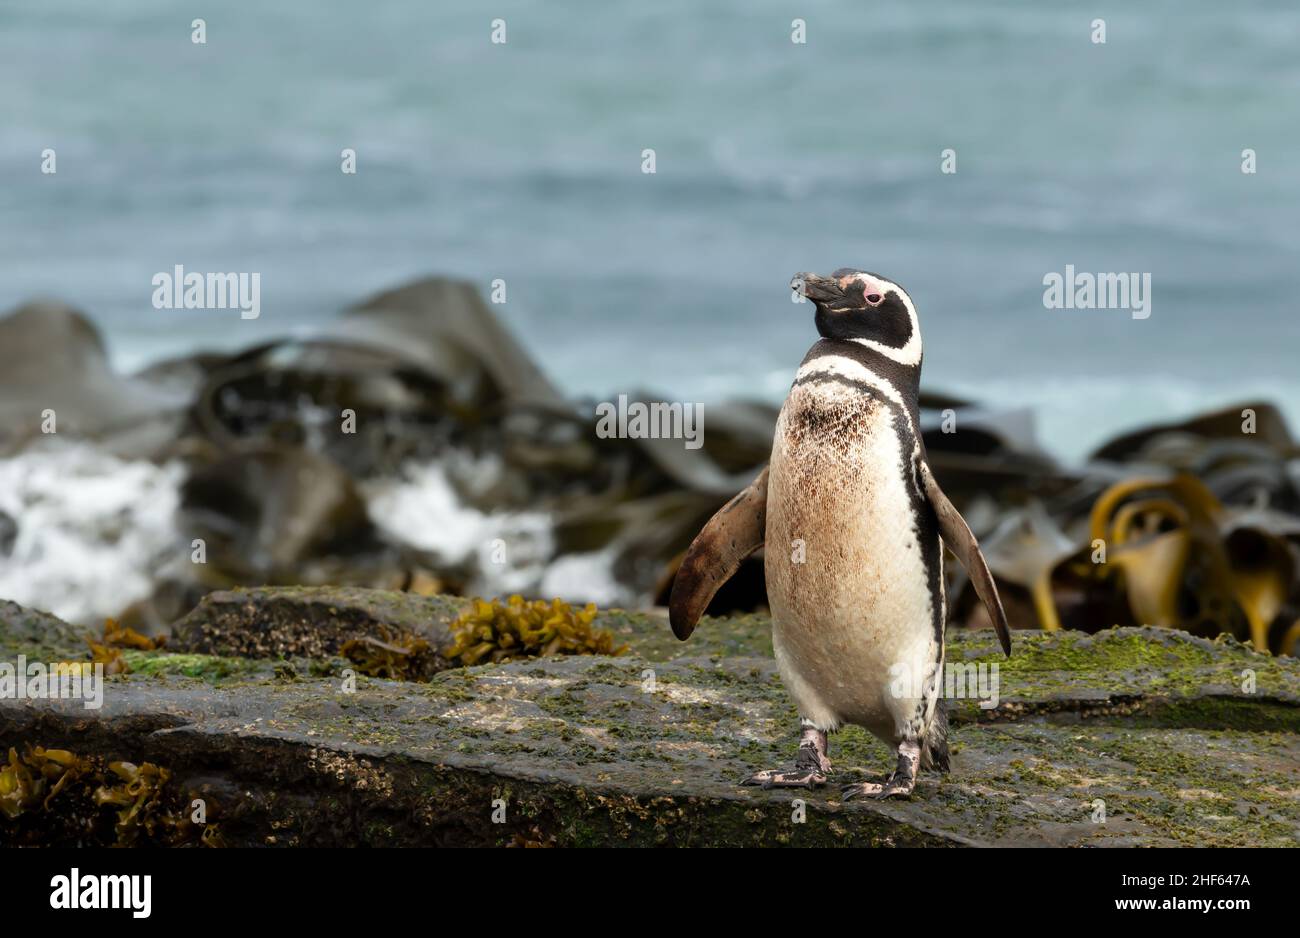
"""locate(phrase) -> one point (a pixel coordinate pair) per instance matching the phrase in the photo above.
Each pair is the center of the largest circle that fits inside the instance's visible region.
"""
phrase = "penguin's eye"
(873, 298)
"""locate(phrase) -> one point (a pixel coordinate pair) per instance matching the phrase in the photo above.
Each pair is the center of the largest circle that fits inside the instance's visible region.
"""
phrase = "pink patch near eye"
(873, 291)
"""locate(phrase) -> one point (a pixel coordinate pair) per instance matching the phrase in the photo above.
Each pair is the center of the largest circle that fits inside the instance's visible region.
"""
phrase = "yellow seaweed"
(518, 628)
(120, 636)
(43, 788)
(108, 650)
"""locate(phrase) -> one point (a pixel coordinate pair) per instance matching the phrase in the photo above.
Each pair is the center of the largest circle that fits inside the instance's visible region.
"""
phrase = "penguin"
(854, 525)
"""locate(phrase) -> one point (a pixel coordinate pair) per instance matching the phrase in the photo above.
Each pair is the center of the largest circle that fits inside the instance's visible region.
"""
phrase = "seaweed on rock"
(55, 796)
(395, 654)
(496, 631)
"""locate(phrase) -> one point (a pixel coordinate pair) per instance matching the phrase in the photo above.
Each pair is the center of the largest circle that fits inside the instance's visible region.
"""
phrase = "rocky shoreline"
(303, 523)
(1126, 737)
(413, 444)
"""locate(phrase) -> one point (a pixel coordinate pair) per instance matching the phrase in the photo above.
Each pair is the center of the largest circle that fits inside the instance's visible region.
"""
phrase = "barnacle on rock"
(398, 656)
(496, 631)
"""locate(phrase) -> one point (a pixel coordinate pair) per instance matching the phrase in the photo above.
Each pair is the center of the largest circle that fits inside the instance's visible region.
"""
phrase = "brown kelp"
(395, 655)
(1189, 526)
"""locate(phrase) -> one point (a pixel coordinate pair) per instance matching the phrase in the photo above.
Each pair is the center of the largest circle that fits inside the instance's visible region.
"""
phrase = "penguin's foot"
(899, 785)
(811, 766)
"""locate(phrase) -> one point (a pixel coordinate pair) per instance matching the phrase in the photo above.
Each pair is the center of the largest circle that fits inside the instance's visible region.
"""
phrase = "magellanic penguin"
(852, 518)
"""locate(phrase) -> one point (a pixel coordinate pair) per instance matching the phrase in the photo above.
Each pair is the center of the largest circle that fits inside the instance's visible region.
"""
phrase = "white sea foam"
(93, 530)
(586, 578)
(96, 533)
(422, 508)
(509, 552)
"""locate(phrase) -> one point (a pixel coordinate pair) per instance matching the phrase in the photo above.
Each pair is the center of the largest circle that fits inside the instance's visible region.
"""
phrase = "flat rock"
(291, 621)
(1126, 737)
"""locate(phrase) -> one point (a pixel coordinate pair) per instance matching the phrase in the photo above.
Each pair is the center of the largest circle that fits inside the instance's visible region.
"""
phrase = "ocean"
(522, 161)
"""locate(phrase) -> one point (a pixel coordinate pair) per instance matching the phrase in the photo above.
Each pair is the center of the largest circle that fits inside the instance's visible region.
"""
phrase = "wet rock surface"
(1172, 739)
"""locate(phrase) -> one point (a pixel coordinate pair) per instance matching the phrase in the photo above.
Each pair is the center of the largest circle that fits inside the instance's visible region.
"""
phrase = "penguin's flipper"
(735, 532)
(957, 535)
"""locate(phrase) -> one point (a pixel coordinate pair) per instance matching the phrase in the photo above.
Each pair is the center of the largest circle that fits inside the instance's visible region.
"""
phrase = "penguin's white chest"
(847, 578)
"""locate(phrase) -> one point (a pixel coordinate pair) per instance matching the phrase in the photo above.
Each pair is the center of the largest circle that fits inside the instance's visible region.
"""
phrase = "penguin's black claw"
(862, 790)
(786, 778)
(890, 788)
(901, 788)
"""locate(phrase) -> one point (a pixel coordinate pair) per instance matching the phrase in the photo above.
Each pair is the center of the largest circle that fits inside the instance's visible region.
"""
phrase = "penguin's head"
(858, 306)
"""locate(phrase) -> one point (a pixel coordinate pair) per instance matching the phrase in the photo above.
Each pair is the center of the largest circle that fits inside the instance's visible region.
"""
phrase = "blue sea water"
(523, 161)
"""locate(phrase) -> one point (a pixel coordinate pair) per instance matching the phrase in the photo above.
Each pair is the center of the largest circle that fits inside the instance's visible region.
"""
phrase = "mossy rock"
(38, 635)
(290, 621)
(1126, 737)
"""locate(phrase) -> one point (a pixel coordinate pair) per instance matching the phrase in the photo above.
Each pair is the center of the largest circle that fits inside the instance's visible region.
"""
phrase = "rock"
(53, 358)
(32, 632)
(266, 512)
(1270, 430)
(1152, 725)
(287, 622)
(739, 437)
(365, 408)
(445, 326)
(8, 534)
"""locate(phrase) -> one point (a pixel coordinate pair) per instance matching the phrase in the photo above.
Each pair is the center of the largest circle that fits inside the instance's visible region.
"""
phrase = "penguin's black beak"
(817, 288)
